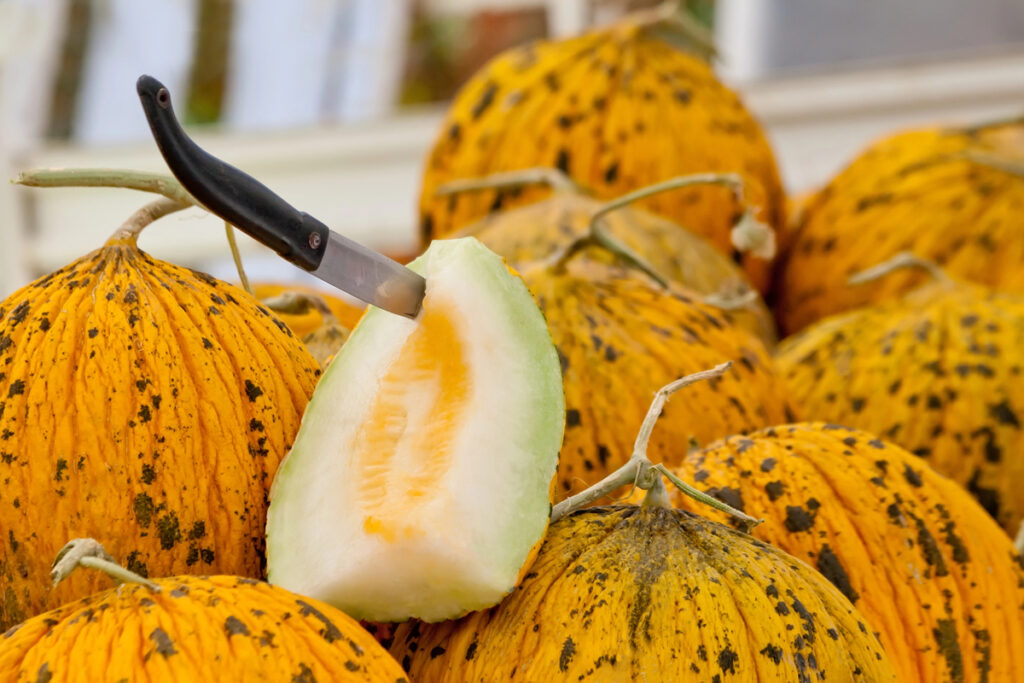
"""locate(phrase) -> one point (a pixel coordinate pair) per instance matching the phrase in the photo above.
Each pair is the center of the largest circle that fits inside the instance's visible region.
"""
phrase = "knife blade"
(254, 209)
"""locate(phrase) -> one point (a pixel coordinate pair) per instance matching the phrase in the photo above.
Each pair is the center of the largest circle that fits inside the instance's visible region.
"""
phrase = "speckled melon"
(952, 195)
(932, 573)
(420, 481)
(145, 403)
(212, 628)
(937, 371)
(307, 318)
(539, 232)
(620, 337)
(615, 109)
(644, 593)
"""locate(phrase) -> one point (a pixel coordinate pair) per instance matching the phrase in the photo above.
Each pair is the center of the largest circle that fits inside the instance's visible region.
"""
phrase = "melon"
(420, 482)
(187, 628)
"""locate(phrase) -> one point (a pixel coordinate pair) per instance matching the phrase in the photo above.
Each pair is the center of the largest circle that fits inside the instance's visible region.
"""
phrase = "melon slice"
(420, 481)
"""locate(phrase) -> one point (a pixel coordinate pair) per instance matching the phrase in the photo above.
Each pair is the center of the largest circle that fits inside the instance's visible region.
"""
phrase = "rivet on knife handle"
(254, 209)
(228, 192)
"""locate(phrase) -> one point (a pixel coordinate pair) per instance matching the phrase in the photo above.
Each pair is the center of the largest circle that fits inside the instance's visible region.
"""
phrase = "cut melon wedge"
(420, 481)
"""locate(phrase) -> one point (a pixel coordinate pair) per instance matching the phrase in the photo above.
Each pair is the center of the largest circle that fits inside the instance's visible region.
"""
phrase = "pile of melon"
(587, 458)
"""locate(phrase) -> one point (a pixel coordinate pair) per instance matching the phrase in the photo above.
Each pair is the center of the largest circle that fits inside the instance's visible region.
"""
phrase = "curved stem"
(597, 232)
(731, 180)
(237, 256)
(156, 183)
(747, 521)
(87, 552)
(130, 229)
(601, 237)
(904, 259)
(661, 398)
(638, 469)
(552, 177)
(627, 474)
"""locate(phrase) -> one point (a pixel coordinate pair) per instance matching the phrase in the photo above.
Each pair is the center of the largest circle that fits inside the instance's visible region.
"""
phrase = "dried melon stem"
(748, 234)
(657, 496)
(1019, 541)
(88, 552)
(904, 259)
(644, 474)
(754, 234)
(156, 183)
(597, 234)
(128, 233)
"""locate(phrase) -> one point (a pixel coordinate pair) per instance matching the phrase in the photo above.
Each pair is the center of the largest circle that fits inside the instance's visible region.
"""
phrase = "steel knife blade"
(254, 209)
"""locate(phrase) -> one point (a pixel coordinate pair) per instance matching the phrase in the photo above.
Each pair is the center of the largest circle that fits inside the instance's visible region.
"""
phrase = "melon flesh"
(419, 484)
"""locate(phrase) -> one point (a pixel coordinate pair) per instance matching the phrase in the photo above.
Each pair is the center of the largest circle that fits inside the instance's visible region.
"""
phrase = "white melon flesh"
(419, 483)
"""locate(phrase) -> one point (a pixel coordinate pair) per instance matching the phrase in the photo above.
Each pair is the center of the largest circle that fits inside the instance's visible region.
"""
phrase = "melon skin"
(646, 594)
(194, 628)
(615, 109)
(146, 404)
(933, 575)
(420, 481)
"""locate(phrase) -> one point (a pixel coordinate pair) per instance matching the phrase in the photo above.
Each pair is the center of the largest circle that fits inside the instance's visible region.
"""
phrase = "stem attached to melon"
(1019, 541)
(657, 495)
(129, 231)
(731, 180)
(606, 241)
(87, 552)
(156, 183)
(539, 175)
(904, 259)
(748, 235)
(753, 238)
(642, 473)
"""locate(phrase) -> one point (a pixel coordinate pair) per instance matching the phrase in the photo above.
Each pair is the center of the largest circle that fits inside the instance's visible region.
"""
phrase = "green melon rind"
(547, 419)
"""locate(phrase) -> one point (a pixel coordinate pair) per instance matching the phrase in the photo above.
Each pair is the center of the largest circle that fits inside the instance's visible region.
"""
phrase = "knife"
(254, 209)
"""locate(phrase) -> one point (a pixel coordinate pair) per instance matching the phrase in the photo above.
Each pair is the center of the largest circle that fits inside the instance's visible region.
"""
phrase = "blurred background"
(334, 103)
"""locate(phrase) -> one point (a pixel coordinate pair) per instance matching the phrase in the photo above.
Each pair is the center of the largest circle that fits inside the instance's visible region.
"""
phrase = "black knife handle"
(228, 192)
